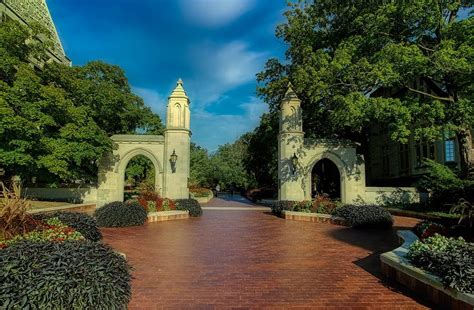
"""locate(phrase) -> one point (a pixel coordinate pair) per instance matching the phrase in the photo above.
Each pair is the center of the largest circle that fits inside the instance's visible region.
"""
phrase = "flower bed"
(396, 265)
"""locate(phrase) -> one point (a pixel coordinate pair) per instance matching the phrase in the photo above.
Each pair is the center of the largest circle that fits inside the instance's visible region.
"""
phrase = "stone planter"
(396, 266)
(313, 217)
(167, 216)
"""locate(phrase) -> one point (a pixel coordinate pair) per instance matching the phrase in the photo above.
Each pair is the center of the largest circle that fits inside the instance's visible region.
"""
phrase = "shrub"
(52, 230)
(445, 185)
(119, 214)
(466, 209)
(360, 216)
(14, 218)
(427, 229)
(83, 223)
(190, 205)
(452, 260)
(323, 204)
(200, 192)
(282, 205)
(301, 206)
(69, 275)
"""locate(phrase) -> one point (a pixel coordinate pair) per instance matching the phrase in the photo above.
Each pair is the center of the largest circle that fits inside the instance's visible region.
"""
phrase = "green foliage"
(54, 231)
(466, 209)
(81, 222)
(191, 205)
(360, 216)
(119, 214)
(225, 167)
(55, 122)
(450, 259)
(140, 170)
(201, 169)
(445, 185)
(261, 157)
(282, 205)
(344, 58)
(228, 165)
(69, 275)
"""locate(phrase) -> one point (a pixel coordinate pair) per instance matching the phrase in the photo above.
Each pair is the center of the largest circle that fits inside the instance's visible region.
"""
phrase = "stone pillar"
(177, 141)
(291, 185)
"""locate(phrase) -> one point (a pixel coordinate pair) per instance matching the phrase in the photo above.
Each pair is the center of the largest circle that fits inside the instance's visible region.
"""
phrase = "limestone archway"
(123, 163)
(112, 168)
(325, 179)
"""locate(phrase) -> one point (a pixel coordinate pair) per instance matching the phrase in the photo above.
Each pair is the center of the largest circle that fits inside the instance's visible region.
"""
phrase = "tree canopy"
(55, 120)
(341, 56)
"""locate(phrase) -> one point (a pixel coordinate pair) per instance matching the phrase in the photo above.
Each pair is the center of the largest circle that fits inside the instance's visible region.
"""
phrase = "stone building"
(28, 12)
(390, 163)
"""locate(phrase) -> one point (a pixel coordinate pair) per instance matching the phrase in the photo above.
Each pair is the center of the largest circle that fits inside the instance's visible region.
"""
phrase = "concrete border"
(395, 265)
(167, 216)
(313, 217)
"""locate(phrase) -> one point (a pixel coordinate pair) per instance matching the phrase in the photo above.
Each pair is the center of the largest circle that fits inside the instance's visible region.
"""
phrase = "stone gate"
(169, 155)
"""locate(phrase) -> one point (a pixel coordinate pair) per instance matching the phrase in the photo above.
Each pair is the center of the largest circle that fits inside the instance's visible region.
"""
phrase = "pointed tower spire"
(290, 93)
(179, 91)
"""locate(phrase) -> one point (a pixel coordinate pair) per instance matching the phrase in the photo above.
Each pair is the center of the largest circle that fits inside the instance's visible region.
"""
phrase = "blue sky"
(215, 46)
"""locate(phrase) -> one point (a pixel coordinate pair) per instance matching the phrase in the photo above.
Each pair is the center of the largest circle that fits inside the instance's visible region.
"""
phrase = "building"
(391, 163)
(35, 11)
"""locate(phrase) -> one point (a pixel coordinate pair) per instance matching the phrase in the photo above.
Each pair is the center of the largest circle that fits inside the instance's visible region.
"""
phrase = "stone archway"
(122, 166)
(112, 168)
(325, 179)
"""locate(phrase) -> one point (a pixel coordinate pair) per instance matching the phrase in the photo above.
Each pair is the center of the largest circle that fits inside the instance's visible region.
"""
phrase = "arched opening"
(326, 179)
(140, 174)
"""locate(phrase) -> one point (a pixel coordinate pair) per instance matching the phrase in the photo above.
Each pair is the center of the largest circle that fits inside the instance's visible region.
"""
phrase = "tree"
(140, 170)
(200, 167)
(55, 121)
(340, 55)
(262, 165)
(228, 164)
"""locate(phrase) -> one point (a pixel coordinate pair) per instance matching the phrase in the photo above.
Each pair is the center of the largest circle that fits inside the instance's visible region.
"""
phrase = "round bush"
(69, 275)
(191, 205)
(365, 216)
(119, 214)
(283, 205)
(83, 223)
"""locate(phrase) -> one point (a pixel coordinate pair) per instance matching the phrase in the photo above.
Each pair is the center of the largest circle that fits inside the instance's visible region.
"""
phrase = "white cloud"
(211, 129)
(222, 68)
(214, 13)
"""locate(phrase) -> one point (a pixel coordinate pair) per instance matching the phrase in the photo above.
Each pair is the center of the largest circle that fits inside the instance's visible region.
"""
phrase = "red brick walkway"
(250, 259)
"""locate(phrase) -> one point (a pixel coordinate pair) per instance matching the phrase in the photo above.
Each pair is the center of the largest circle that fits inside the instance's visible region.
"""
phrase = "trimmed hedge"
(359, 216)
(83, 223)
(69, 275)
(191, 205)
(283, 205)
(452, 260)
(119, 214)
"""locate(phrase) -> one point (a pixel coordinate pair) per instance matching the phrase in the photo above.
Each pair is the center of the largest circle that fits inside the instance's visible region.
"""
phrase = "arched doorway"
(326, 179)
(140, 174)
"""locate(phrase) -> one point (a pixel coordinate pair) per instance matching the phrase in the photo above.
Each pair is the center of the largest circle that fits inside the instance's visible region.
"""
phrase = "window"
(404, 153)
(424, 150)
(449, 155)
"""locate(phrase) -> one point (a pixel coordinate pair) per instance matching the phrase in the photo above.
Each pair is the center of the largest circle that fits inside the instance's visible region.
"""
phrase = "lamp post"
(173, 160)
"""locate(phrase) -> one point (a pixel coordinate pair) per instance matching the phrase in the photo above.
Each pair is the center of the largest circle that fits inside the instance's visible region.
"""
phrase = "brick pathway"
(251, 259)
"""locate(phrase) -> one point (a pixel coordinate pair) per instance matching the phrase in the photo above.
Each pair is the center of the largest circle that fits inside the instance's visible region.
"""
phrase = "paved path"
(251, 259)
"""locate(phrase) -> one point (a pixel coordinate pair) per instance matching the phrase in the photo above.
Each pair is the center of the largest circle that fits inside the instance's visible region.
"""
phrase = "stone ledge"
(313, 217)
(167, 216)
(83, 208)
(396, 266)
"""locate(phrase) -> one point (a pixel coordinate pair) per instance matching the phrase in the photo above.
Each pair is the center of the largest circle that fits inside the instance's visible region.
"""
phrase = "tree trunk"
(466, 153)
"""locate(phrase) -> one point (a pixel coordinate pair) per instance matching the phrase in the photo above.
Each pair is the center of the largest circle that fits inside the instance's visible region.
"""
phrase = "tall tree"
(339, 55)
(55, 121)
